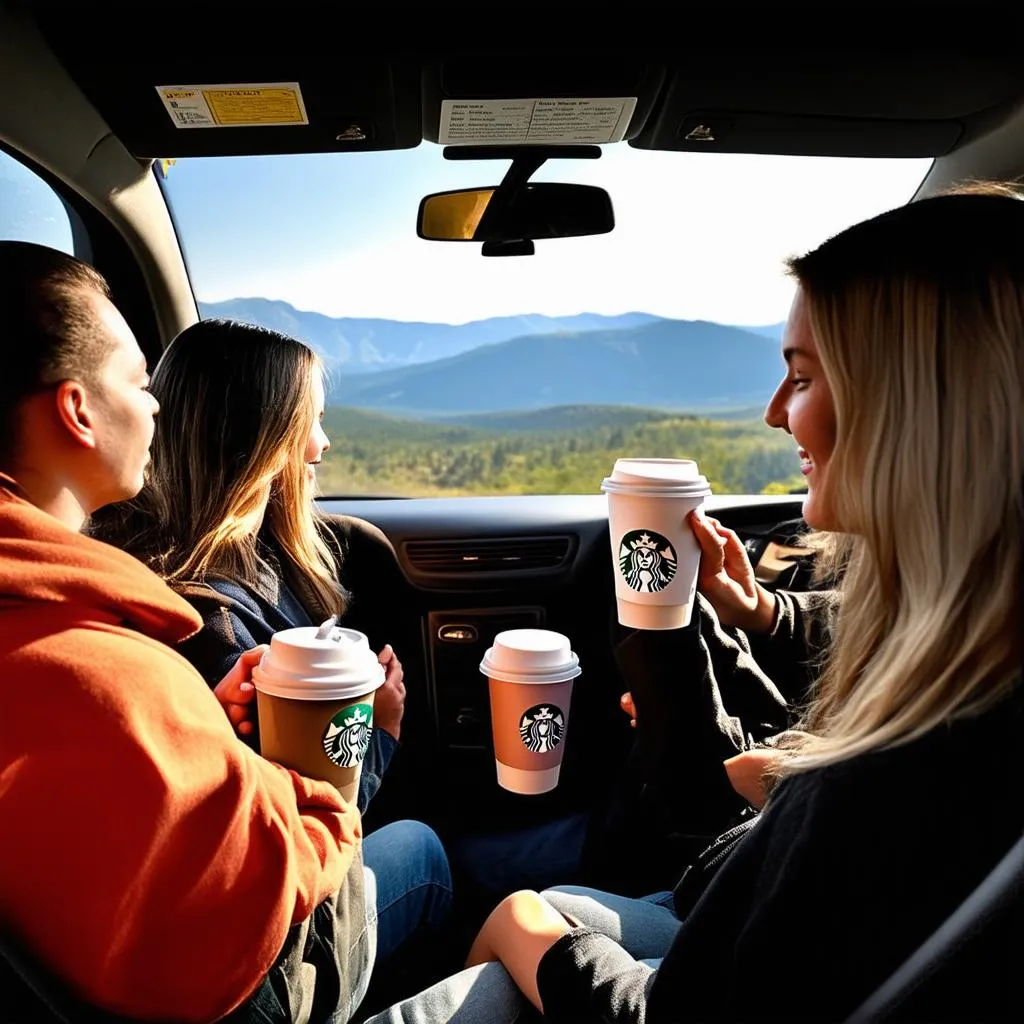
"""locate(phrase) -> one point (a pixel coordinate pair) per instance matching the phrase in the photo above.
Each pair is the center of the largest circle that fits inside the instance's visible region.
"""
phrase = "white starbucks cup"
(530, 673)
(654, 552)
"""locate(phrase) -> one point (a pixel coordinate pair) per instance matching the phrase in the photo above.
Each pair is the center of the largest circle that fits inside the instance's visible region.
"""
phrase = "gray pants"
(487, 994)
(399, 883)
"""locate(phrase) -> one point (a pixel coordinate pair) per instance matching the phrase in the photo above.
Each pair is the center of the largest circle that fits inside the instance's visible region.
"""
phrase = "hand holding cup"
(237, 694)
(726, 577)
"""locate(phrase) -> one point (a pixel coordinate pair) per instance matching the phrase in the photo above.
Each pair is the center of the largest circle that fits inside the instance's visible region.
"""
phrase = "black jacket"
(844, 874)
(702, 694)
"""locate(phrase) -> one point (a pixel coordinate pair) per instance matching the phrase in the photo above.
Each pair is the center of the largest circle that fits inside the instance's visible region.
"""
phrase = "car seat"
(968, 968)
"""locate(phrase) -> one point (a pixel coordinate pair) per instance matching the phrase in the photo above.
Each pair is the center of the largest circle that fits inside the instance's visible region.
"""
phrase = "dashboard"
(438, 578)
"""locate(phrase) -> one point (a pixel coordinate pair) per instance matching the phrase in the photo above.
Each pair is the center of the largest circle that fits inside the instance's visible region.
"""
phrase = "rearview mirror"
(535, 211)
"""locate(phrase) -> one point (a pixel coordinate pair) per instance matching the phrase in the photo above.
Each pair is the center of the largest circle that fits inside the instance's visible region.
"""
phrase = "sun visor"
(214, 94)
(743, 131)
(835, 104)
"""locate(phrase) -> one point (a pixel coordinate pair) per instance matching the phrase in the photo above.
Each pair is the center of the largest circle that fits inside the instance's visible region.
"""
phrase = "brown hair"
(48, 332)
(236, 408)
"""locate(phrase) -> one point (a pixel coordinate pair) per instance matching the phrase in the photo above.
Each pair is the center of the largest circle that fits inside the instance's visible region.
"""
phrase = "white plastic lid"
(530, 656)
(657, 478)
(304, 666)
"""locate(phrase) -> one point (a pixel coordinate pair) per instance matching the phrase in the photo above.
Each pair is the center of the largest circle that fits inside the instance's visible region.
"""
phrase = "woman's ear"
(75, 413)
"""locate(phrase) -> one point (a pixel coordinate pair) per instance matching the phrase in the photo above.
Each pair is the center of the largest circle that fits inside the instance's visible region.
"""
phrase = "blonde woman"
(227, 517)
(904, 392)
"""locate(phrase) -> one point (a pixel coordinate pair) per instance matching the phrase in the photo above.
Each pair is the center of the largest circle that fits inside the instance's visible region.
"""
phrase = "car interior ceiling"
(96, 121)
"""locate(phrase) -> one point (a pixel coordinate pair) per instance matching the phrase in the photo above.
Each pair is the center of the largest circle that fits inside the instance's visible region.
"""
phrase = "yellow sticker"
(234, 106)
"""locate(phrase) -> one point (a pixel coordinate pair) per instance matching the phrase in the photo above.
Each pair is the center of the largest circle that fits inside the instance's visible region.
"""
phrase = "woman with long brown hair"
(227, 514)
(227, 517)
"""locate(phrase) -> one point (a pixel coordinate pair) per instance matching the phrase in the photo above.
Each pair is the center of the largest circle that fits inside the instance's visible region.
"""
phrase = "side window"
(30, 210)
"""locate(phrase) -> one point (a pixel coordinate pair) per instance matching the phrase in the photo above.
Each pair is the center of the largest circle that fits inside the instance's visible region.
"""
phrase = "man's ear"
(74, 412)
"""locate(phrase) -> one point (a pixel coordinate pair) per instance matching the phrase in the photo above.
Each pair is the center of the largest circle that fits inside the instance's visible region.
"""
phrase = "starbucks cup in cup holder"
(655, 555)
(530, 674)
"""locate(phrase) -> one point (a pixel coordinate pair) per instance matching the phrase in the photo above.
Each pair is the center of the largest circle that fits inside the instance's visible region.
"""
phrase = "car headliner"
(81, 101)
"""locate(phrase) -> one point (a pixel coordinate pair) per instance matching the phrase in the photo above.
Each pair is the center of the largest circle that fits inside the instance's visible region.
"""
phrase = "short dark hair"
(47, 333)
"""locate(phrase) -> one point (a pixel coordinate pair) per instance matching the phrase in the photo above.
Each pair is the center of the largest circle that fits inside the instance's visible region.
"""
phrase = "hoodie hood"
(42, 560)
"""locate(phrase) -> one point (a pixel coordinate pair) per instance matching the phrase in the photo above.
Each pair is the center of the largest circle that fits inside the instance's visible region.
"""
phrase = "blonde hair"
(918, 318)
(236, 409)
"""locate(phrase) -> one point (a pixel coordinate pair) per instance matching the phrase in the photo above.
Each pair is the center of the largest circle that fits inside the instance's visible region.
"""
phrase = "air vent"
(487, 554)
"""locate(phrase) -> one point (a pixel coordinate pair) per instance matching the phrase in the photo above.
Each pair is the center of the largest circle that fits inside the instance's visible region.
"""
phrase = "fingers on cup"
(707, 533)
(237, 682)
(237, 713)
(735, 552)
(252, 656)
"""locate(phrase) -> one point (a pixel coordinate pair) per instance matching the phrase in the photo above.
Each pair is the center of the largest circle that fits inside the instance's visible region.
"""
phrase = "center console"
(455, 644)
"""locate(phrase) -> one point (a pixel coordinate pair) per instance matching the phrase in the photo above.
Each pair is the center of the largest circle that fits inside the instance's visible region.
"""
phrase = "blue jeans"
(527, 858)
(644, 927)
(408, 883)
(486, 994)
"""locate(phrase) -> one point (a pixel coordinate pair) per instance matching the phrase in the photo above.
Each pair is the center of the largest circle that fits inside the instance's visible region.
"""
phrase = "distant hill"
(664, 364)
(352, 424)
(564, 450)
(559, 417)
(358, 345)
(773, 331)
(347, 426)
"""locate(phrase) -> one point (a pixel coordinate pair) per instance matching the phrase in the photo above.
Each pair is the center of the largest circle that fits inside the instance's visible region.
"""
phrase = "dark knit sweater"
(843, 875)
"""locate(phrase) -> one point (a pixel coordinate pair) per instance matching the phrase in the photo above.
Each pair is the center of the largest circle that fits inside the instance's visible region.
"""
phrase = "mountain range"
(361, 345)
(530, 361)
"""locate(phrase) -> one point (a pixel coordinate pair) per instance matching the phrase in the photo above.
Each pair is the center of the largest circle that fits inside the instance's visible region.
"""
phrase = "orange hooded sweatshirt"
(149, 857)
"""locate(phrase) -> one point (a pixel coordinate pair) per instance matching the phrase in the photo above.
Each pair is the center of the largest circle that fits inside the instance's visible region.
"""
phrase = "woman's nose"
(775, 412)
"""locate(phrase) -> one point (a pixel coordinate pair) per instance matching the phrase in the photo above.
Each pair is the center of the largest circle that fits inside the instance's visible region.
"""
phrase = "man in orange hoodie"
(152, 861)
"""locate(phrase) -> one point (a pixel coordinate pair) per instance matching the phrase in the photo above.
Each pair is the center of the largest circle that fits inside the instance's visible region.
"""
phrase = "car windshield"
(450, 373)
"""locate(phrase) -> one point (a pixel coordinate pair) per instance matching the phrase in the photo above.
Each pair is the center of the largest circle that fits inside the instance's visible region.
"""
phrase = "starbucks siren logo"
(541, 728)
(646, 561)
(348, 735)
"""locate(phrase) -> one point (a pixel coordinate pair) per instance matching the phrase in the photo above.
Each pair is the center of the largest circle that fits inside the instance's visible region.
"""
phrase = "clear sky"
(697, 236)
(30, 210)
